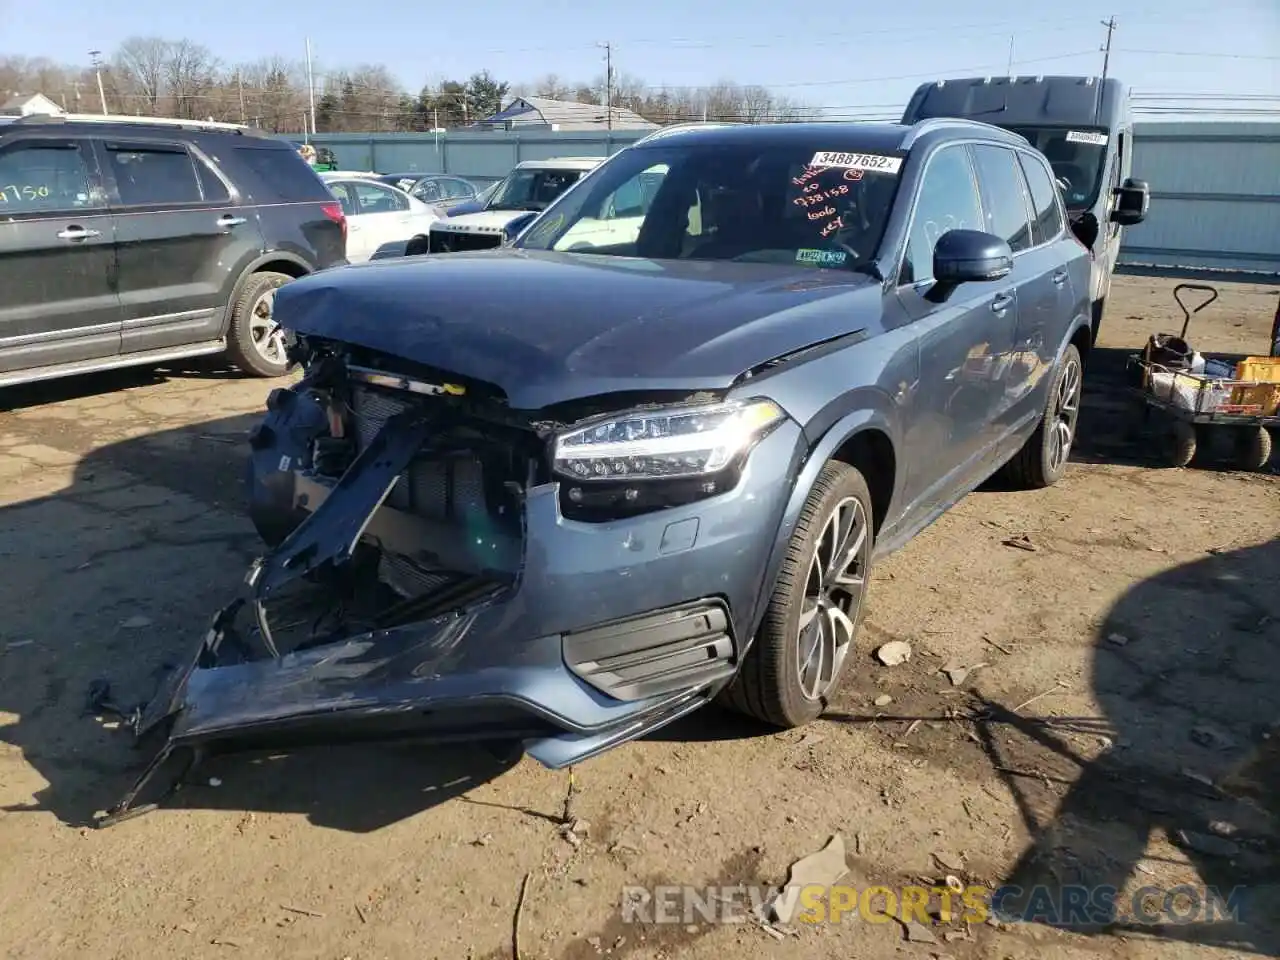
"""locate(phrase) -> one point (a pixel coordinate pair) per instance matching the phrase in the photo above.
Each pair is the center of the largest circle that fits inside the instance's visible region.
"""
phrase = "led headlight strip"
(672, 442)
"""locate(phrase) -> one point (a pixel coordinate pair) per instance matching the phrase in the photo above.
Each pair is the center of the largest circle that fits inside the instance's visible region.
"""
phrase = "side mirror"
(513, 227)
(962, 256)
(1132, 200)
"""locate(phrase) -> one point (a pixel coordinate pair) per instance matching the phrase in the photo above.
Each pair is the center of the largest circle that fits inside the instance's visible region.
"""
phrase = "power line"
(1200, 53)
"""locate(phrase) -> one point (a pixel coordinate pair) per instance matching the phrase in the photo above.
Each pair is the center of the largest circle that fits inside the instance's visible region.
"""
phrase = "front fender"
(820, 451)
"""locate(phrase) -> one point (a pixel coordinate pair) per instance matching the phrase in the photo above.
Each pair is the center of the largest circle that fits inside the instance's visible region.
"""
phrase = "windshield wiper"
(870, 268)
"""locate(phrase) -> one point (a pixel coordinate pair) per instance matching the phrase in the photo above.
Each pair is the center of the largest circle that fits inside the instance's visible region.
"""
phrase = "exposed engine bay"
(444, 532)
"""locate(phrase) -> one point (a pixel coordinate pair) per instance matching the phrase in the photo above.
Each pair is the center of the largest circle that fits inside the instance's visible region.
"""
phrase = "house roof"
(30, 103)
(566, 115)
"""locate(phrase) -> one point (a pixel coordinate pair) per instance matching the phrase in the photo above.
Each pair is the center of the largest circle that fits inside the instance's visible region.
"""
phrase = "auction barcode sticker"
(872, 162)
(1086, 136)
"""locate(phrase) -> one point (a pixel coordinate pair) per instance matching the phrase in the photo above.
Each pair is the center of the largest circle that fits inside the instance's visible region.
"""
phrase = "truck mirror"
(1133, 199)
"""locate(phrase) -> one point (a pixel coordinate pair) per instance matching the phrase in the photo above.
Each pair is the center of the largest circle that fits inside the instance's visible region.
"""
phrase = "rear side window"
(284, 173)
(153, 174)
(1047, 220)
(1004, 198)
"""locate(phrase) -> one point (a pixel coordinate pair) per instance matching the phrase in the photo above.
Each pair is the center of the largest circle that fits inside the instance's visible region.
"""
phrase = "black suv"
(128, 241)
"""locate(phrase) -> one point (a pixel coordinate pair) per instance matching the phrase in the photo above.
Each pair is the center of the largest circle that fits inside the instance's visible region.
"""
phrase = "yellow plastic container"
(1260, 369)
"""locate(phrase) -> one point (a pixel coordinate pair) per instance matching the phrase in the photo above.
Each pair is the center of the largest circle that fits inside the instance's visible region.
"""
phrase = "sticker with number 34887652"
(870, 162)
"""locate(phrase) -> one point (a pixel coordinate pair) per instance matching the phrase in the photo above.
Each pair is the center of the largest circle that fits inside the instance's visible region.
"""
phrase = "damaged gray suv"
(643, 457)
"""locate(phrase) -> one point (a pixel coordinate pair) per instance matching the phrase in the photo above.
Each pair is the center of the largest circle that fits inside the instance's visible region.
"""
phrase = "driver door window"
(948, 200)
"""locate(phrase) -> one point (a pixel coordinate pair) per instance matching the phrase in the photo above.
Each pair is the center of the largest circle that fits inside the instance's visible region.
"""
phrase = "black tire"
(1180, 443)
(768, 684)
(1039, 463)
(1253, 448)
(241, 348)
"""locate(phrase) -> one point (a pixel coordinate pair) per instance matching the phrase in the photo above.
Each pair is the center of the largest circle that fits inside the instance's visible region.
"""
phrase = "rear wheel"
(810, 627)
(255, 342)
(1043, 458)
(1253, 448)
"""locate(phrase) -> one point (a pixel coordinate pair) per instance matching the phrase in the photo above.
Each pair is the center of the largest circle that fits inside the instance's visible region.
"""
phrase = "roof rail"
(920, 128)
(139, 121)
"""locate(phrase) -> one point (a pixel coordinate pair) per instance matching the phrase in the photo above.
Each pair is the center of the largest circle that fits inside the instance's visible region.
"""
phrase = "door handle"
(1060, 278)
(227, 220)
(75, 232)
(1001, 303)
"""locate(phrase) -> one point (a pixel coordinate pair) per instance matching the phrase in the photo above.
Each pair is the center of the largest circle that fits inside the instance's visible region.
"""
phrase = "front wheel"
(811, 624)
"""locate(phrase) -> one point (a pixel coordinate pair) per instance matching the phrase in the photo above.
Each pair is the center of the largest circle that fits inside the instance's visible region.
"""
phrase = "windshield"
(795, 203)
(1078, 157)
(532, 189)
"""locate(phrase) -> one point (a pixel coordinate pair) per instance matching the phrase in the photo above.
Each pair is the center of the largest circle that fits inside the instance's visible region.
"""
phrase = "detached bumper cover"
(613, 630)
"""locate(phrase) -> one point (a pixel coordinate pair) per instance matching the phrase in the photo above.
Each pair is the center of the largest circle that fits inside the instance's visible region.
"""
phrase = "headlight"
(662, 444)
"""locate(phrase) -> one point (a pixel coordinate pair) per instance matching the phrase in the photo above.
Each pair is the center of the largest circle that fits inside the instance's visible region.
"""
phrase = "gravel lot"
(1119, 694)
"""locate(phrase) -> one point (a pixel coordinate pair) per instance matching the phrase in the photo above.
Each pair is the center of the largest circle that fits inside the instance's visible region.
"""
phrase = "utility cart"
(1199, 401)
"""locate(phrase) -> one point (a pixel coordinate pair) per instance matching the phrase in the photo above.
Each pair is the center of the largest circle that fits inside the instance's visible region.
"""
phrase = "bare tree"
(139, 73)
(156, 76)
(190, 75)
(552, 87)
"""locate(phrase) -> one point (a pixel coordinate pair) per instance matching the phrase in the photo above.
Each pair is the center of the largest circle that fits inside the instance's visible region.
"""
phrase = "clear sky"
(843, 57)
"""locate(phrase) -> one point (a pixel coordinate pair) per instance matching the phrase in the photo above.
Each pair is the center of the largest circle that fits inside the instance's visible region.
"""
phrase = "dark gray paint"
(157, 282)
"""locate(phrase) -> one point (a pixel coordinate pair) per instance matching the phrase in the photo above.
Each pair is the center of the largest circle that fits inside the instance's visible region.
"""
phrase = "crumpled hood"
(549, 327)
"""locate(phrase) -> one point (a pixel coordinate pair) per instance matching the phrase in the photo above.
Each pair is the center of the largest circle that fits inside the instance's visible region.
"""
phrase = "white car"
(379, 214)
(530, 186)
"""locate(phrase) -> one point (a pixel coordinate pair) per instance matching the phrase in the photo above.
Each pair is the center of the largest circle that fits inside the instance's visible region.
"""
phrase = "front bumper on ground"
(613, 630)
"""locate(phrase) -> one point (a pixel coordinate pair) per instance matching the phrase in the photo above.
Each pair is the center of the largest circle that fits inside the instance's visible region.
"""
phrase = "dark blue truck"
(1084, 126)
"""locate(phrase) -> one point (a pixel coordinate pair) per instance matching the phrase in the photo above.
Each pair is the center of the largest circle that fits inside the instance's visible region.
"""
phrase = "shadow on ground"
(1195, 713)
(115, 577)
(93, 384)
(1185, 794)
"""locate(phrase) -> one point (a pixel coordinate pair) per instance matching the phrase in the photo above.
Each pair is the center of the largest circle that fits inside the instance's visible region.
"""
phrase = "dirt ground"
(1115, 726)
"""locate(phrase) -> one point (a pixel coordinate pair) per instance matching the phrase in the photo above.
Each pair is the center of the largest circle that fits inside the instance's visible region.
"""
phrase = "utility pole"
(75, 86)
(608, 83)
(1110, 24)
(240, 84)
(96, 57)
(1106, 50)
(311, 89)
(1009, 71)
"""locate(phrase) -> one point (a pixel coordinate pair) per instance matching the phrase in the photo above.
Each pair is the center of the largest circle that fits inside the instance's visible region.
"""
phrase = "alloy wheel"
(268, 338)
(834, 588)
(1066, 409)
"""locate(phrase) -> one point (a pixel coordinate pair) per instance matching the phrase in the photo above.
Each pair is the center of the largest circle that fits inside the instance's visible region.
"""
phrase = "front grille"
(452, 241)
